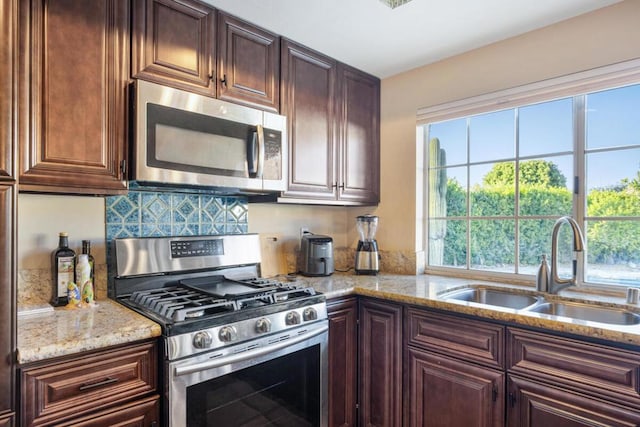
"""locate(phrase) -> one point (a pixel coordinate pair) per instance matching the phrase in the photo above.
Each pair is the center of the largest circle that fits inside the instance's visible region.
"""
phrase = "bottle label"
(65, 274)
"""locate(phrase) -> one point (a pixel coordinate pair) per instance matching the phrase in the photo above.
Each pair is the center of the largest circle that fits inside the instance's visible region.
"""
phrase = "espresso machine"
(367, 257)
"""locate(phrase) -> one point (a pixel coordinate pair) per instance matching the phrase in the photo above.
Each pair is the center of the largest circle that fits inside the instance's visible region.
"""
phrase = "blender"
(367, 257)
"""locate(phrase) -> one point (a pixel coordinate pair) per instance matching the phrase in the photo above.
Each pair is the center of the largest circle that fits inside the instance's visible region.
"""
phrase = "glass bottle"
(86, 249)
(63, 265)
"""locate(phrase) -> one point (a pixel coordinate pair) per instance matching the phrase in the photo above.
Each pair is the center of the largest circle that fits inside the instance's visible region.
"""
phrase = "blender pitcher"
(367, 257)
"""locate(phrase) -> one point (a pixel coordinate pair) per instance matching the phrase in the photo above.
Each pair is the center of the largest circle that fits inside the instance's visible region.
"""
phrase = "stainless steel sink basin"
(610, 315)
(492, 297)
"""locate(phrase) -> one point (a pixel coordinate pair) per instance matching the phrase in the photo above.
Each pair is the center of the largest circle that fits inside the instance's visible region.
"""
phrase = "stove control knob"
(227, 334)
(292, 318)
(309, 313)
(202, 340)
(263, 326)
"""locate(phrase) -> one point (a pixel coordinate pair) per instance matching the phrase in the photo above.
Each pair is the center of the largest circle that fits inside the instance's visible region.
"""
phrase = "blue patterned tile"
(156, 208)
(156, 230)
(212, 209)
(236, 229)
(237, 210)
(185, 229)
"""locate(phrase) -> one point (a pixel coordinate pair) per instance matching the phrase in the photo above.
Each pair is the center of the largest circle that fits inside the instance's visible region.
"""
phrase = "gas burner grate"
(180, 304)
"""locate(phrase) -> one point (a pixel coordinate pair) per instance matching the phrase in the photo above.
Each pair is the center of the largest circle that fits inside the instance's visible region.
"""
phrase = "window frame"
(576, 86)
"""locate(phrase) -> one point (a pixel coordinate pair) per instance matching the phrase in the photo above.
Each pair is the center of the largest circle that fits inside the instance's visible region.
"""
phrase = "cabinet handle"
(223, 80)
(106, 381)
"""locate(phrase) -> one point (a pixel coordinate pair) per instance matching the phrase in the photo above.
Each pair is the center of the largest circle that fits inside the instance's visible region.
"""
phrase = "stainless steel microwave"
(184, 139)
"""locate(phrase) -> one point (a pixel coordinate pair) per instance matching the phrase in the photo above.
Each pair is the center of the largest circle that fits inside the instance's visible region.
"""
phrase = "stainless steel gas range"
(238, 350)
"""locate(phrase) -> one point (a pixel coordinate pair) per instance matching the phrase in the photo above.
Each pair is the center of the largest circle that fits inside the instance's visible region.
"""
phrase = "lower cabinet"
(455, 371)
(380, 363)
(343, 362)
(422, 367)
(117, 386)
(535, 404)
(447, 392)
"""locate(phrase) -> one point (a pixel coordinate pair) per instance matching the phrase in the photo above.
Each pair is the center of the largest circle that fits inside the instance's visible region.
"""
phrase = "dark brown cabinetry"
(565, 382)
(72, 95)
(380, 363)
(453, 363)
(308, 101)
(8, 190)
(359, 136)
(333, 112)
(343, 362)
(110, 385)
(173, 43)
(248, 64)
(7, 301)
(8, 37)
(181, 43)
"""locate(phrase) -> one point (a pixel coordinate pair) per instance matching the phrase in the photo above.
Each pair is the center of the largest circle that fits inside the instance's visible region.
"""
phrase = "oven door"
(280, 380)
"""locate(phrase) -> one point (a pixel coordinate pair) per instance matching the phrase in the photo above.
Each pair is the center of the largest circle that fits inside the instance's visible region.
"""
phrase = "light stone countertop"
(62, 332)
(68, 331)
(424, 290)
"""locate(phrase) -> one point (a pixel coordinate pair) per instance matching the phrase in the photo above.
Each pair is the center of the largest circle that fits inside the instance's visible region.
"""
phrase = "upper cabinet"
(8, 28)
(248, 64)
(73, 77)
(308, 101)
(359, 136)
(180, 43)
(334, 137)
(173, 44)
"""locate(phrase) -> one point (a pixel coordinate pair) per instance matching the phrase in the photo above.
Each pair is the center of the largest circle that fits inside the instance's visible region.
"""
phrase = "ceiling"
(371, 36)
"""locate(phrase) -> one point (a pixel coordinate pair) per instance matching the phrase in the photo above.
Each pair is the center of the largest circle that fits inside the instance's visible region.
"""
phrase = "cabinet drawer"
(141, 413)
(71, 388)
(596, 369)
(472, 341)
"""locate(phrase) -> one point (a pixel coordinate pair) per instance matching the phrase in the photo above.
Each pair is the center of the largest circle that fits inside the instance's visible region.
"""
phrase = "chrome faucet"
(555, 284)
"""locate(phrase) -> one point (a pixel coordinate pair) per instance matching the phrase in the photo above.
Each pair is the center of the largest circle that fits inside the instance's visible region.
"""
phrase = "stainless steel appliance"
(186, 139)
(367, 256)
(237, 349)
(316, 255)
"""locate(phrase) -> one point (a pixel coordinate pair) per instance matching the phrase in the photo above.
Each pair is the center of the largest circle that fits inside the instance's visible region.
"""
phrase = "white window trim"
(608, 77)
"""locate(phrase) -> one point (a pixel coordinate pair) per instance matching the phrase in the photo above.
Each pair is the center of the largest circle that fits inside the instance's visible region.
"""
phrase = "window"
(497, 180)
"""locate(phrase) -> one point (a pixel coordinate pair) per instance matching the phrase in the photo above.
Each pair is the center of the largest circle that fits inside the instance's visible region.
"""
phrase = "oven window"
(281, 392)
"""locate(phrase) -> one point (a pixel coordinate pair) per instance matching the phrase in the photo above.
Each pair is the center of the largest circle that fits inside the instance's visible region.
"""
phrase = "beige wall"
(592, 40)
(603, 37)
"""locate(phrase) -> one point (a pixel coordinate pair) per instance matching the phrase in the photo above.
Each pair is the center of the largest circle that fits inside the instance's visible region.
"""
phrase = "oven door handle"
(238, 357)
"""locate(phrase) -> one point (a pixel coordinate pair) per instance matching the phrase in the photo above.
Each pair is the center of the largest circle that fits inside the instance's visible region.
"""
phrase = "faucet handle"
(543, 276)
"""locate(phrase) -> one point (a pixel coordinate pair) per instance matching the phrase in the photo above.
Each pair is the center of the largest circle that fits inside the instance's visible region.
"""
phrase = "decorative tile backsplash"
(147, 214)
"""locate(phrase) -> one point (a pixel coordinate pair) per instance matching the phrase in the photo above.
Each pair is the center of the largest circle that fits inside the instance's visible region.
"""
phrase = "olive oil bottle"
(63, 266)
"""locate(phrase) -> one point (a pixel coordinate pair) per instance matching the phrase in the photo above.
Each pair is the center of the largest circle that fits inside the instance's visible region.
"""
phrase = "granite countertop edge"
(63, 332)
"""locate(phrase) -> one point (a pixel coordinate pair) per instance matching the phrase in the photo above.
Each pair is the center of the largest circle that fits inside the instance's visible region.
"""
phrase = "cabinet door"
(343, 363)
(380, 364)
(445, 392)
(533, 404)
(64, 391)
(308, 94)
(359, 147)
(173, 44)
(7, 298)
(141, 413)
(74, 71)
(248, 64)
(8, 26)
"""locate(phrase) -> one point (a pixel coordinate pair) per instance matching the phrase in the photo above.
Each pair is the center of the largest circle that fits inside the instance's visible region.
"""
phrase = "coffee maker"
(367, 257)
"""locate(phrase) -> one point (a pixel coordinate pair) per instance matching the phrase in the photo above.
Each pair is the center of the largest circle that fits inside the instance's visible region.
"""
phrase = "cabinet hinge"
(512, 399)
(123, 168)
(494, 393)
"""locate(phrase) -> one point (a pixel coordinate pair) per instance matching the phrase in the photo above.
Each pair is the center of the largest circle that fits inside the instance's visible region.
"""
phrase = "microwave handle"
(255, 153)
(260, 133)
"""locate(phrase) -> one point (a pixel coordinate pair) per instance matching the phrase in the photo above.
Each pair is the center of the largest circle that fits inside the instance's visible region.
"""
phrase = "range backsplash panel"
(151, 214)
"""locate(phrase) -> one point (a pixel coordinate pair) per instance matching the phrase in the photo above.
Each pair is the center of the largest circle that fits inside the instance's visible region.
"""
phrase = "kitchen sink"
(494, 297)
(610, 315)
